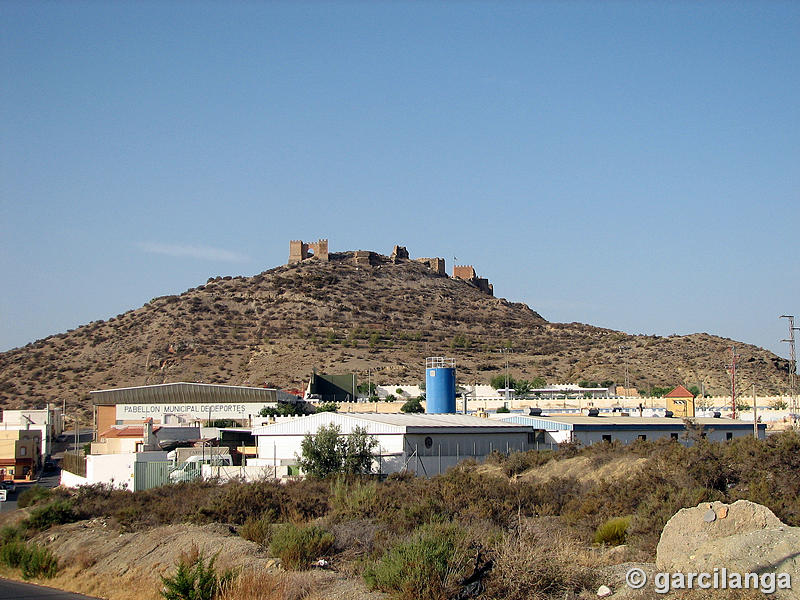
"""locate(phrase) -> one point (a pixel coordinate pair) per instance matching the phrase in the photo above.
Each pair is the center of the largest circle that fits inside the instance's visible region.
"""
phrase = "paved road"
(14, 590)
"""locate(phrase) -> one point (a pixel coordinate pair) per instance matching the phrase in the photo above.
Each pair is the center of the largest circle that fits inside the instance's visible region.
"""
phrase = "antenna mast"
(792, 368)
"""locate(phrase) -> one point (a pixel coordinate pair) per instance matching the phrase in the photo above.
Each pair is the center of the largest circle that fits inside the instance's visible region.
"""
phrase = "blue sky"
(633, 165)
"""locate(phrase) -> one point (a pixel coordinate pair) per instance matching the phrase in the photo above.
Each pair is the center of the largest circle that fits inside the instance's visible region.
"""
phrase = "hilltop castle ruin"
(300, 251)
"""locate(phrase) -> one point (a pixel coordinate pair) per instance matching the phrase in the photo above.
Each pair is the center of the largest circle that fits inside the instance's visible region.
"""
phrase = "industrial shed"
(549, 431)
(181, 403)
(420, 443)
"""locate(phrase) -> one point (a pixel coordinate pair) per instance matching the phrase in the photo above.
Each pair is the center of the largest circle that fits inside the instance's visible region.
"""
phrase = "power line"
(792, 368)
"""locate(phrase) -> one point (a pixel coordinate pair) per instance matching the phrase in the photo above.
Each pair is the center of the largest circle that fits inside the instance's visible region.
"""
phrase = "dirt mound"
(586, 468)
(100, 561)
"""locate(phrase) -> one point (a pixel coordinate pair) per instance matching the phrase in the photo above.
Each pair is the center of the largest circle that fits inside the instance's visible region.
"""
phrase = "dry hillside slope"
(275, 327)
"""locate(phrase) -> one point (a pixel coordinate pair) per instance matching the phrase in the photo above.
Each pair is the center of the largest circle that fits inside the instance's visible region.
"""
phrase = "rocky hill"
(350, 314)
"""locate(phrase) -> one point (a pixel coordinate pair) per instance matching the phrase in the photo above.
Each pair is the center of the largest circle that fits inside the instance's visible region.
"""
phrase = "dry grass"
(583, 469)
(541, 560)
(262, 585)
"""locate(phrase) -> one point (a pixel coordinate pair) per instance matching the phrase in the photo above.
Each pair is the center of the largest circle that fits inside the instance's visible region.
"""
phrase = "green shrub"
(612, 532)
(12, 554)
(427, 566)
(55, 513)
(33, 495)
(195, 579)
(353, 499)
(40, 562)
(412, 405)
(32, 559)
(299, 546)
(9, 533)
(503, 409)
(258, 529)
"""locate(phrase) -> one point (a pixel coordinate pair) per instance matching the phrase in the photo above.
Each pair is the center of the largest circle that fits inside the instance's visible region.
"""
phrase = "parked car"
(9, 486)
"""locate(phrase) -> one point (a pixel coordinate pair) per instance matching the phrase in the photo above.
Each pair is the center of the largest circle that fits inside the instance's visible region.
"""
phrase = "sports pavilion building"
(182, 404)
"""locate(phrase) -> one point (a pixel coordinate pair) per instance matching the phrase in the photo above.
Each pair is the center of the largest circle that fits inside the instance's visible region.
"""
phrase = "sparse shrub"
(519, 462)
(353, 499)
(9, 533)
(427, 566)
(258, 529)
(195, 578)
(503, 409)
(299, 546)
(44, 517)
(542, 560)
(612, 532)
(254, 584)
(33, 560)
(33, 495)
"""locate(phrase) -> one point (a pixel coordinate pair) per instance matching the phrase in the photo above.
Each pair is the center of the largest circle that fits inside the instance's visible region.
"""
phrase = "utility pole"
(625, 359)
(733, 380)
(506, 351)
(792, 368)
(755, 414)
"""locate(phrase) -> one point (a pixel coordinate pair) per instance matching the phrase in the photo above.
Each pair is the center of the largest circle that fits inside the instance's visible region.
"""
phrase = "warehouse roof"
(391, 423)
(619, 422)
(186, 393)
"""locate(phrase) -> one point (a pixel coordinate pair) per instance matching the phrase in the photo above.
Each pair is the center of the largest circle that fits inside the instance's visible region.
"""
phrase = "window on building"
(673, 436)
(23, 451)
(643, 437)
(607, 438)
(729, 435)
(428, 442)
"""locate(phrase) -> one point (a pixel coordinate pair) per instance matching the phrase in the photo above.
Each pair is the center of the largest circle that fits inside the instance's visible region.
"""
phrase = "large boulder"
(742, 537)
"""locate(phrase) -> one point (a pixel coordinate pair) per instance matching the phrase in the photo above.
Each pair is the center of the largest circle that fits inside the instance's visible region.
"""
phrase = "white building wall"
(117, 469)
(587, 438)
(283, 449)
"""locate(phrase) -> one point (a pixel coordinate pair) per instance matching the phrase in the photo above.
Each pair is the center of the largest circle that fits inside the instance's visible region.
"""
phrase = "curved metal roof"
(185, 393)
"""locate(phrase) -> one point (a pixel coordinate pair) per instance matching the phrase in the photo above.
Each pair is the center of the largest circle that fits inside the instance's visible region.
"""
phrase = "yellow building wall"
(116, 446)
(681, 407)
(106, 417)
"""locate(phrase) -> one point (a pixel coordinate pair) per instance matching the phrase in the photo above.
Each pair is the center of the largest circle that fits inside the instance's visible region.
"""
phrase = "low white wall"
(71, 480)
(248, 473)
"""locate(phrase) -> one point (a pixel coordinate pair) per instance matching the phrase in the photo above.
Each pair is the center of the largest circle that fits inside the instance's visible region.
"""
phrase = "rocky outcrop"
(742, 537)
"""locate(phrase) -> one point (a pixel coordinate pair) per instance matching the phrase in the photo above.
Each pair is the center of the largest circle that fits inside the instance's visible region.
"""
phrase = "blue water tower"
(440, 385)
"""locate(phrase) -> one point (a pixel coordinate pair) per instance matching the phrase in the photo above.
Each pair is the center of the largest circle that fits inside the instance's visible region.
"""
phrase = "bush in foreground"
(428, 566)
(299, 546)
(612, 532)
(542, 560)
(33, 560)
(195, 579)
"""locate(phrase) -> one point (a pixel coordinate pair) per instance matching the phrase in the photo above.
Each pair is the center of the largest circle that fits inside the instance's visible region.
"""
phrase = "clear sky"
(632, 165)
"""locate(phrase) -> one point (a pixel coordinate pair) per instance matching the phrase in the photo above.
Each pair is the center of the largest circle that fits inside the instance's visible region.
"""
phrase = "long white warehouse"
(553, 430)
(420, 443)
